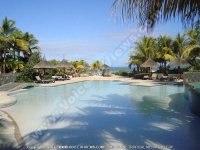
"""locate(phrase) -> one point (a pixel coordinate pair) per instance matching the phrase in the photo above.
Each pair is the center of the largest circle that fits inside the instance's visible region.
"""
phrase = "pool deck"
(8, 89)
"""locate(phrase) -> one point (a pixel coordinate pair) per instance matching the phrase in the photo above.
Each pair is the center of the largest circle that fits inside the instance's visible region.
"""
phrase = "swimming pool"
(102, 114)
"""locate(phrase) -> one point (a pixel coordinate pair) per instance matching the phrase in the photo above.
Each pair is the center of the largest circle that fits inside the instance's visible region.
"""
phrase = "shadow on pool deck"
(109, 123)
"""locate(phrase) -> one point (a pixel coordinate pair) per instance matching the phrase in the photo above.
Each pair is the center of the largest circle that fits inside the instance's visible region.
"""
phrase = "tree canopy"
(149, 12)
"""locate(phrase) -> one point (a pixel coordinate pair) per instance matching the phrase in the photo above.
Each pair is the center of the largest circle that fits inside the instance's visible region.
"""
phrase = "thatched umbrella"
(86, 66)
(64, 64)
(149, 63)
(104, 66)
(44, 64)
(179, 62)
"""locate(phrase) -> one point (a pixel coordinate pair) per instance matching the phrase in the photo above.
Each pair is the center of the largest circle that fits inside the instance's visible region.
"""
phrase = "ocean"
(115, 69)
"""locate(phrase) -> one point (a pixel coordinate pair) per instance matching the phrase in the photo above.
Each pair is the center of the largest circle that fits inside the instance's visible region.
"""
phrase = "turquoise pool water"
(102, 114)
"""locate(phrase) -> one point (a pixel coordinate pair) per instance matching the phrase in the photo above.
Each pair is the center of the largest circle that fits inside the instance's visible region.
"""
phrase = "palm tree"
(193, 50)
(142, 50)
(96, 65)
(183, 46)
(78, 65)
(32, 43)
(6, 30)
(164, 50)
(18, 44)
(152, 11)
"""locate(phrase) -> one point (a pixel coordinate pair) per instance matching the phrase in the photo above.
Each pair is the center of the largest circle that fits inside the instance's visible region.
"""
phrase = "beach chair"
(68, 77)
(174, 77)
(60, 78)
(39, 80)
(146, 77)
(154, 76)
(164, 78)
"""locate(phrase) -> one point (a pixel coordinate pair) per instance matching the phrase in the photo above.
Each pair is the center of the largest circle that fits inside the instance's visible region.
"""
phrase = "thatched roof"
(149, 63)
(104, 66)
(44, 64)
(179, 62)
(64, 64)
(86, 66)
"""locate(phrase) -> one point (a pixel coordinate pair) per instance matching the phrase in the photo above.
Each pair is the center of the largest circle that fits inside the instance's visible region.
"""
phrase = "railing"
(6, 78)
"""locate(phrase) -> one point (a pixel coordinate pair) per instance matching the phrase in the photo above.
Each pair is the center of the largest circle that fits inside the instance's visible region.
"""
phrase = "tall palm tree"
(6, 30)
(183, 46)
(147, 11)
(18, 44)
(142, 50)
(32, 43)
(164, 50)
(193, 50)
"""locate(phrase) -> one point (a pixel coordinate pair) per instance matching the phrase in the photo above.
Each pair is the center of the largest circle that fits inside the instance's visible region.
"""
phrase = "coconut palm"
(96, 65)
(32, 43)
(6, 30)
(164, 50)
(183, 46)
(193, 50)
(142, 50)
(146, 11)
(18, 44)
(78, 65)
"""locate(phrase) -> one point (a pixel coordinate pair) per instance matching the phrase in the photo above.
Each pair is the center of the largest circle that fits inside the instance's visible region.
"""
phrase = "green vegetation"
(96, 65)
(16, 47)
(165, 48)
(122, 73)
(28, 73)
(148, 13)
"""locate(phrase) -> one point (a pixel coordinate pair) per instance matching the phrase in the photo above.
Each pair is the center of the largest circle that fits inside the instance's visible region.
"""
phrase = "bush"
(121, 73)
(28, 73)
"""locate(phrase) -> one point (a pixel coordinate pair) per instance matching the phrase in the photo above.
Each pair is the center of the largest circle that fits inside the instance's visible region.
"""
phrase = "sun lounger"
(154, 76)
(39, 80)
(145, 77)
(174, 77)
(60, 78)
(68, 77)
(164, 78)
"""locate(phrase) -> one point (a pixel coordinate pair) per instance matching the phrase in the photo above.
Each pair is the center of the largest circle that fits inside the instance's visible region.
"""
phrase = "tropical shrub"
(28, 73)
(121, 73)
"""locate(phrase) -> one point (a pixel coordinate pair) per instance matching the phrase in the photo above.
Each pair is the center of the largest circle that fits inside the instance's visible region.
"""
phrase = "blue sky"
(78, 29)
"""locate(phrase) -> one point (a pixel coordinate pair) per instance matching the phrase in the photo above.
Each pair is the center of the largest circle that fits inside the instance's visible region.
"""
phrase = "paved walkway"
(9, 86)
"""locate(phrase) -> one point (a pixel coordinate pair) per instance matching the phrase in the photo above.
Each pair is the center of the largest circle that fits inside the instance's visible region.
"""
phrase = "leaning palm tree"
(151, 12)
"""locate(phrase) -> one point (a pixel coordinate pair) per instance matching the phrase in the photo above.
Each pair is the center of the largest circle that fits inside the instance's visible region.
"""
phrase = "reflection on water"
(107, 113)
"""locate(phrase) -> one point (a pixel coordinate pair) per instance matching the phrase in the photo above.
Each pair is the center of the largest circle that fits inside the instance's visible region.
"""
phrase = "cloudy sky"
(79, 29)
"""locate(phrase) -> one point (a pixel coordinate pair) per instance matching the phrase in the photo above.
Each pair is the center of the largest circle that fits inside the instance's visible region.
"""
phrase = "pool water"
(105, 114)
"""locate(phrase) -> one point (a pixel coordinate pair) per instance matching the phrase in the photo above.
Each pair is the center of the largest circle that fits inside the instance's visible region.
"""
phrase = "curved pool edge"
(7, 100)
(193, 97)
